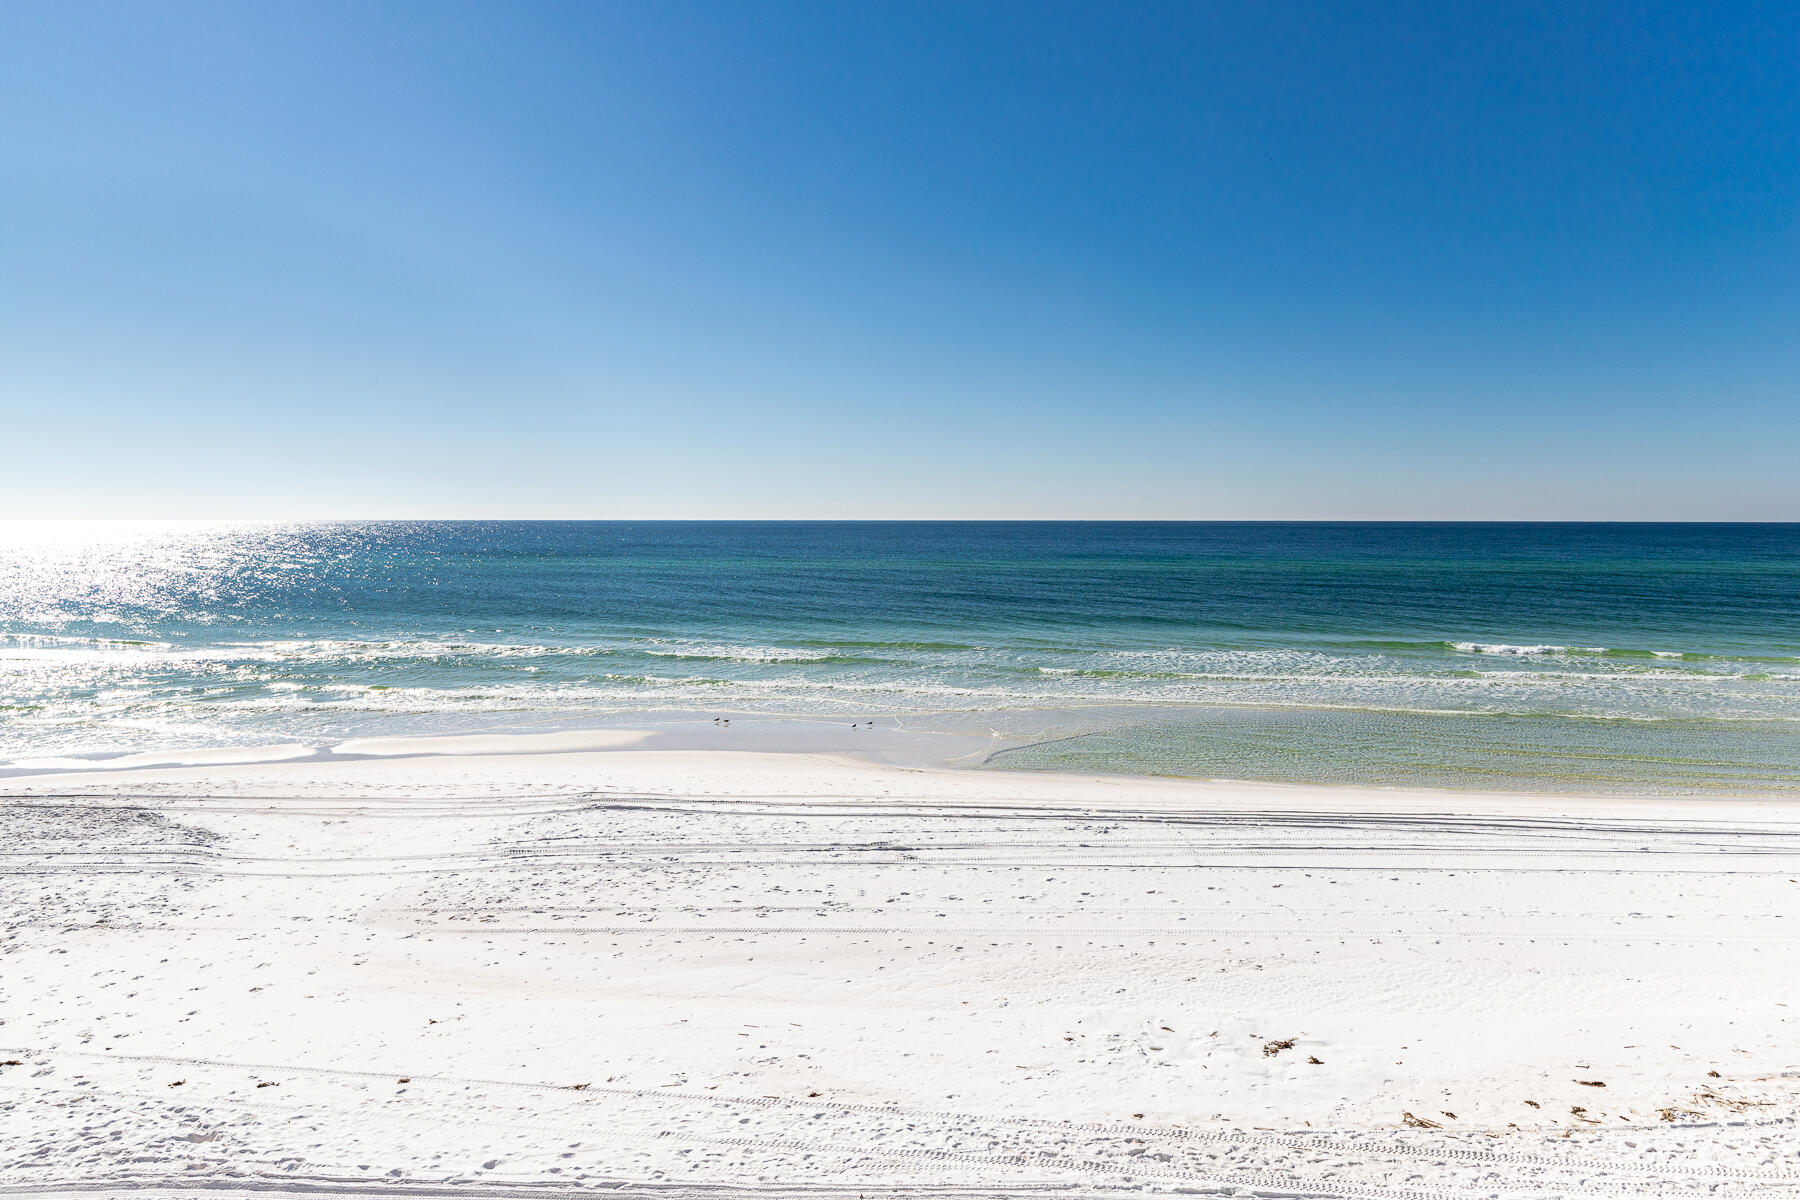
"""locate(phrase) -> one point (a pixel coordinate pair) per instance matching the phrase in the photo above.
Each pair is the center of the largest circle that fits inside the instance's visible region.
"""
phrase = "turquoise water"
(1576, 657)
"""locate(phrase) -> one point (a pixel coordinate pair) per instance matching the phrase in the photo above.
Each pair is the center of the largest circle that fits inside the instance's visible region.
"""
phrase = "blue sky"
(900, 260)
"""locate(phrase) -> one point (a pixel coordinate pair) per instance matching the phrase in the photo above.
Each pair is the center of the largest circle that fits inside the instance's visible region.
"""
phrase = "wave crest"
(754, 654)
(1522, 651)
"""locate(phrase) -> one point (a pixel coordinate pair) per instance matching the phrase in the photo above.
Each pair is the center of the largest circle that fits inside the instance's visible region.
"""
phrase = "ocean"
(1557, 657)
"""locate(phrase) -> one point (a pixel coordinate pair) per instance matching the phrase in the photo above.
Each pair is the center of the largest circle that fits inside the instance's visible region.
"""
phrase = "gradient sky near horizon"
(1512, 260)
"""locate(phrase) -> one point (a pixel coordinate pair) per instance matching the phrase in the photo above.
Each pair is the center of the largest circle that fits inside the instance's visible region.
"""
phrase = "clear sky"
(900, 260)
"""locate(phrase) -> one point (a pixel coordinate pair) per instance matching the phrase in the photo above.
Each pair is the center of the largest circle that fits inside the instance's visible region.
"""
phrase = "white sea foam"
(424, 649)
(279, 650)
(729, 653)
(1504, 648)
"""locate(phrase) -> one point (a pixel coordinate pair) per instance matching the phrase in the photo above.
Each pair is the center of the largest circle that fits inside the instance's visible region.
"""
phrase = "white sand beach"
(589, 966)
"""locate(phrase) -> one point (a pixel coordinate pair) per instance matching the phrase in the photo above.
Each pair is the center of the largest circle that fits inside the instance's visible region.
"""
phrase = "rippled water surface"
(1659, 657)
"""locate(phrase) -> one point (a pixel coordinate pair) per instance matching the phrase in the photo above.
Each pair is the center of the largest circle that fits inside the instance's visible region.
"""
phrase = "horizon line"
(395, 520)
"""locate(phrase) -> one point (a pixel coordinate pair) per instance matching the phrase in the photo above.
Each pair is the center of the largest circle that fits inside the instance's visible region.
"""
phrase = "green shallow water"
(1450, 750)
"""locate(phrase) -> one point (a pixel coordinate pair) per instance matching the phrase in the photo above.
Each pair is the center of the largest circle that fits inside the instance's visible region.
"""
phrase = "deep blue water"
(1586, 656)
